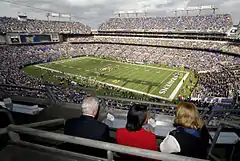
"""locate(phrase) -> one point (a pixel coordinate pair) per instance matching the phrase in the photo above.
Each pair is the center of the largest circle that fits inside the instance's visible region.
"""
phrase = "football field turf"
(163, 83)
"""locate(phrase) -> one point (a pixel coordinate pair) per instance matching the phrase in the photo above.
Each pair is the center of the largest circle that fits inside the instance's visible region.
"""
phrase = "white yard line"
(167, 77)
(60, 61)
(148, 86)
(178, 87)
(134, 64)
(112, 85)
(155, 88)
(72, 59)
(171, 97)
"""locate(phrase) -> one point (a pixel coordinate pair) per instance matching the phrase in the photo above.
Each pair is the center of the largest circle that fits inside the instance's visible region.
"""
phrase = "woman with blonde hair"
(191, 137)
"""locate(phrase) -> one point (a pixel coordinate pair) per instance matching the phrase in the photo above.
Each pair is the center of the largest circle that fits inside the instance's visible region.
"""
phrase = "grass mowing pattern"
(142, 78)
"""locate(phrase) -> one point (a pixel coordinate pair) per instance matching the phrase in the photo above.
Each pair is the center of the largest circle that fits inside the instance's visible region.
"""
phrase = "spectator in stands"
(9, 24)
(191, 137)
(86, 126)
(134, 134)
(201, 23)
(212, 83)
(81, 126)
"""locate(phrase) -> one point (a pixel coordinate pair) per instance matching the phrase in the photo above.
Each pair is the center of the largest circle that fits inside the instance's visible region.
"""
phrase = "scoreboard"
(44, 38)
(30, 38)
(35, 38)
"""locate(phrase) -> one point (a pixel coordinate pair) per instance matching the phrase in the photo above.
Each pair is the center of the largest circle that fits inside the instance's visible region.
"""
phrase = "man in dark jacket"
(86, 126)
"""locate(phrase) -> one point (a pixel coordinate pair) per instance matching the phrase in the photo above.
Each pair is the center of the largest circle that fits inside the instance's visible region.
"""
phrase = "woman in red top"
(134, 135)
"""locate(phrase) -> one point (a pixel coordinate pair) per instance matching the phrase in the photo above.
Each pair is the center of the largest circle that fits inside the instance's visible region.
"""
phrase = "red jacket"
(139, 139)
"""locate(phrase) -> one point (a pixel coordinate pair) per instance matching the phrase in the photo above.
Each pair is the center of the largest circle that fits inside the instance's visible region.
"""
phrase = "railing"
(54, 122)
(9, 115)
(136, 101)
(10, 118)
(51, 95)
(14, 131)
(224, 111)
(215, 138)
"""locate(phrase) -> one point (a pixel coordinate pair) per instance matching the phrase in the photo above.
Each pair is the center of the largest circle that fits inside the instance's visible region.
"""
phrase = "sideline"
(104, 83)
(170, 98)
(175, 91)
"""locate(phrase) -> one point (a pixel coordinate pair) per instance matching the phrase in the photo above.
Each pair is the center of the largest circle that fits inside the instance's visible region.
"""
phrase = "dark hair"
(136, 117)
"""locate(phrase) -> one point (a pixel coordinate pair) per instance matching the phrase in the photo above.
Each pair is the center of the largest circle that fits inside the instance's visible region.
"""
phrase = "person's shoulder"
(70, 125)
(119, 130)
(72, 120)
(176, 131)
(148, 133)
(204, 129)
(122, 133)
(99, 124)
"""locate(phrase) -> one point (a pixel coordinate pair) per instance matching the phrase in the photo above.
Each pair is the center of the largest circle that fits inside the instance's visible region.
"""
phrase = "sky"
(95, 12)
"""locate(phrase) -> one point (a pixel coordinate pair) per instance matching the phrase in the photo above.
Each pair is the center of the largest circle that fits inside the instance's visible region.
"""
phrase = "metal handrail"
(39, 124)
(51, 95)
(97, 144)
(3, 131)
(220, 110)
(216, 136)
(9, 115)
(136, 101)
(54, 122)
(230, 124)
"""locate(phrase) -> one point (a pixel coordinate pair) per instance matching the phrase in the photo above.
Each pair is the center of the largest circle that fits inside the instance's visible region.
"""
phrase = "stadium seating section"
(8, 24)
(214, 68)
(212, 23)
(15, 57)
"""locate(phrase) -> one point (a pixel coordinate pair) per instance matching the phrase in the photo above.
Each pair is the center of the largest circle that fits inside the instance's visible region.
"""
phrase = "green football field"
(163, 83)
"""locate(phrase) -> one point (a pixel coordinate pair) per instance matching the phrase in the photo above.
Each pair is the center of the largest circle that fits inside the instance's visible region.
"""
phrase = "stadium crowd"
(211, 84)
(193, 59)
(221, 83)
(8, 24)
(216, 84)
(15, 57)
(213, 80)
(202, 44)
(212, 23)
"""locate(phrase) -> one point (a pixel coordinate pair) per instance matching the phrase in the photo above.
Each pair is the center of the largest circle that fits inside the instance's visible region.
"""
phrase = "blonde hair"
(188, 116)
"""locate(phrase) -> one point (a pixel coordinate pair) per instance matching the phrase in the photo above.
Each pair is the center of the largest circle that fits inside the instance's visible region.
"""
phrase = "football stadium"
(158, 82)
(141, 85)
